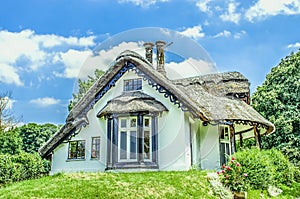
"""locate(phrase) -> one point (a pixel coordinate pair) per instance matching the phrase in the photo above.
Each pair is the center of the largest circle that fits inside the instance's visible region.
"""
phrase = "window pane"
(123, 123)
(222, 151)
(147, 122)
(133, 144)
(123, 145)
(72, 149)
(132, 84)
(133, 122)
(146, 144)
(95, 147)
(81, 149)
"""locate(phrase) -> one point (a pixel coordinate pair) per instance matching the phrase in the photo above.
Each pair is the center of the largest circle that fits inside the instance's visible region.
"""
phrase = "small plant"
(233, 176)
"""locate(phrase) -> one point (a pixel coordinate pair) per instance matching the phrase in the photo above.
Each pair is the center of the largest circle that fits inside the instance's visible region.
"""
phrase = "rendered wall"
(173, 135)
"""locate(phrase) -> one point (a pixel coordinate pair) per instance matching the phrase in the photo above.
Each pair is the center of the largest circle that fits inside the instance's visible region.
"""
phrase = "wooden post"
(241, 140)
(233, 141)
(257, 136)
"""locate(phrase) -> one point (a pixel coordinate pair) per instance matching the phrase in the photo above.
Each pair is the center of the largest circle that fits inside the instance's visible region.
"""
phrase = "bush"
(258, 167)
(21, 167)
(283, 169)
(265, 167)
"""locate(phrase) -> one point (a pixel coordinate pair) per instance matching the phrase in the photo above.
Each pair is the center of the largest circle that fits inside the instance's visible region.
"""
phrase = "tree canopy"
(278, 100)
(84, 86)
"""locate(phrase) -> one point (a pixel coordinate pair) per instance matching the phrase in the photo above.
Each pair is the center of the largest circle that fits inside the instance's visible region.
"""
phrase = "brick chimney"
(149, 51)
(160, 57)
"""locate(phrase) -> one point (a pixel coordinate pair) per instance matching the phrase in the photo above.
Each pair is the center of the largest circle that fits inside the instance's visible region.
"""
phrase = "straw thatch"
(132, 102)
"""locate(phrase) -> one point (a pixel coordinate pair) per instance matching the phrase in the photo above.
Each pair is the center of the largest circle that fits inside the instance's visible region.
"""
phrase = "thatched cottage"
(134, 117)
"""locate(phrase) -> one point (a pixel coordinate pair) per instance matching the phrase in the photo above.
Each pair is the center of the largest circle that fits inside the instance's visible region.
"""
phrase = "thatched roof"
(218, 84)
(193, 93)
(132, 102)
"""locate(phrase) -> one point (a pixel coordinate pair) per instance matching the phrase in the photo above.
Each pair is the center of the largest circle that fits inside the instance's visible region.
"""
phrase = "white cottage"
(135, 118)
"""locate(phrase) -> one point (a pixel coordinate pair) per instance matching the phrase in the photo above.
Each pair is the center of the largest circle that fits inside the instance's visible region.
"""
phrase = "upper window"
(95, 147)
(133, 84)
(77, 149)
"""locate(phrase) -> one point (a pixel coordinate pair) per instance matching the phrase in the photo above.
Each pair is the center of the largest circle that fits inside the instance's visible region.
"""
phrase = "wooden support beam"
(257, 136)
(233, 142)
(241, 140)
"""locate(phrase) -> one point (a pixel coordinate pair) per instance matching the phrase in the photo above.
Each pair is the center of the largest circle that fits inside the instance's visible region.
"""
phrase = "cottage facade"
(134, 117)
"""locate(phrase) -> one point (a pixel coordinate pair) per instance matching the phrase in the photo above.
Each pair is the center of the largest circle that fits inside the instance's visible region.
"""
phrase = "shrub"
(283, 169)
(21, 167)
(258, 166)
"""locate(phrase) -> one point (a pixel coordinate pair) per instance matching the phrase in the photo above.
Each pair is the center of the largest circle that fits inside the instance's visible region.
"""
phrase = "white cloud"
(9, 75)
(265, 8)
(295, 45)
(102, 59)
(73, 60)
(9, 102)
(203, 5)
(193, 32)
(142, 3)
(31, 51)
(238, 35)
(225, 33)
(231, 14)
(44, 102)
(188, 68)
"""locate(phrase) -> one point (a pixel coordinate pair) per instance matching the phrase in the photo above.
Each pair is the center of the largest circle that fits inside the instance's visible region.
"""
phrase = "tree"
(84, 87)
(35, 135)
(10, 142)
(278, 100)
(7, 118)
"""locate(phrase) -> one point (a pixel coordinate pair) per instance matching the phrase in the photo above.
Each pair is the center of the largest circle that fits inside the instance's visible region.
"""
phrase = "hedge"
(23, 166)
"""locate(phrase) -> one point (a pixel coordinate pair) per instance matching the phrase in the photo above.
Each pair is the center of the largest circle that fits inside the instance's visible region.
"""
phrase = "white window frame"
(128, 129)
(226, 140)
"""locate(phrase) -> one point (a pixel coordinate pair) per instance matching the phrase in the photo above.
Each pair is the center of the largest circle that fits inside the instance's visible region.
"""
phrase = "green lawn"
(188, 184)
(191, 184)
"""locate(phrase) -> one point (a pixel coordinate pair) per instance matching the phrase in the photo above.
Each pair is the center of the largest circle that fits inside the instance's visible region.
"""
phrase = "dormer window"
(133, 84)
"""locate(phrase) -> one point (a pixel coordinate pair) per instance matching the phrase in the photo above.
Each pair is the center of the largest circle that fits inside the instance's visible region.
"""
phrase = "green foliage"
(278, 100)
(265, 167)
(21, 167)
(35, 135)
(84, 87)
(10, 142)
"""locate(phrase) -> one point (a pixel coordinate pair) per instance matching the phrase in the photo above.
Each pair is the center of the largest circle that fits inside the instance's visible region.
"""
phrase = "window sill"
(75, 160)
(95, 159)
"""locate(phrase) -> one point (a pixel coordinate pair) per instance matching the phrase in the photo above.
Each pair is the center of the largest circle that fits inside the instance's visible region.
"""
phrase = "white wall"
(209, 147)
(173, 135)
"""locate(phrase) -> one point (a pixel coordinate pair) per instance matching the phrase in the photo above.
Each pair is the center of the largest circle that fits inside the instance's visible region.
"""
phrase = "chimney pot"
(149, 51)
(161, 57)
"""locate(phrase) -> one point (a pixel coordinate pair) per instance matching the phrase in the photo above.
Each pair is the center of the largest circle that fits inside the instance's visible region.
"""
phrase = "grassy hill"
(191, 184)
(180, 184)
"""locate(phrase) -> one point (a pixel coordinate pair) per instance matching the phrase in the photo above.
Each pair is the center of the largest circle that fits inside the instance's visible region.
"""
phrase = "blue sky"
(43, 44)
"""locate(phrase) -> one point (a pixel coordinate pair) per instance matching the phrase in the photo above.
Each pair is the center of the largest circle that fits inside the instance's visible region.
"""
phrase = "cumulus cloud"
(193, 32)
(295, 45)
(103, 58)
(231, 14)
(31, 51)
(265, 8)
(45, 102)
(9, 75)
(203, 6)
(225, 33)
(188, 68)
(142, 3)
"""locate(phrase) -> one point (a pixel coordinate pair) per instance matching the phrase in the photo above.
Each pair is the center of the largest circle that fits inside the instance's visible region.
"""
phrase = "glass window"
(133, 84)
(224, 144)
(95, 147)
(77, 149)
